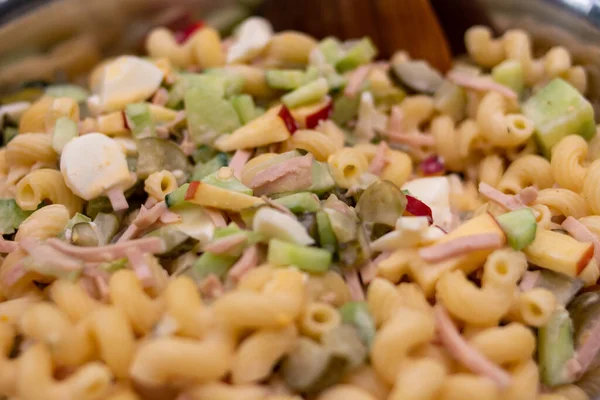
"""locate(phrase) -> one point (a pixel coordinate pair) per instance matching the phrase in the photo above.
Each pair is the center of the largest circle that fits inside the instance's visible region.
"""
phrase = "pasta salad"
(270, 216)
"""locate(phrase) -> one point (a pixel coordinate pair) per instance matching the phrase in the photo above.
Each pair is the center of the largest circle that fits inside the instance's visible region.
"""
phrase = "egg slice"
(252, 36)
(127, 79)
(94, 163)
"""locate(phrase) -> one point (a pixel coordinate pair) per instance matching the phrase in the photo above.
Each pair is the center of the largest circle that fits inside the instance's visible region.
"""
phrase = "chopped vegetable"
(418, 76)
(277, 225)
(345, 109)
(309, 259)
(450, 99)
(74, 92)
(306, 94)
(331, 49)
(510, 73)
(156, 154)
(64, 131)
(359, 53)
(555, 349)
(84, 234)
(11, 216)
(327, 238)
(322, 181)
(8, 134)
(244, 106)
(381, 203)
(224, 178)
(176, 241)
(285, 79)
(519, 226)
(345, 342)
(107, 226)
(300, 202)
(233, 81)
(209, 263)
(356, 313)
(177, 197)
(139, 120)
(559, 110)
(202, 170)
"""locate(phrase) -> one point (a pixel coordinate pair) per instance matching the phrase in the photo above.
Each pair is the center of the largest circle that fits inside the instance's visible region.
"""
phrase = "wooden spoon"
(393, 25)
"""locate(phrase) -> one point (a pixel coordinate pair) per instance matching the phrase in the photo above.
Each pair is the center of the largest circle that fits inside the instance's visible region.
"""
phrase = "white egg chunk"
(93, 164)
(277, 225)
(128, 79)
(252, 36)
(435, 192)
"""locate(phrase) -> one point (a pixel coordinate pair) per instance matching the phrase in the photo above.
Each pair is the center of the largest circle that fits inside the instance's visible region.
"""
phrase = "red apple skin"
(417, 208)
(191, 191)
(288, 119)
(585, 259)
(312, 120)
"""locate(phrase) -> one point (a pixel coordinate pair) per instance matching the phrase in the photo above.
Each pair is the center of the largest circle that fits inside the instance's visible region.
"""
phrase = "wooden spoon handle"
(393, 25)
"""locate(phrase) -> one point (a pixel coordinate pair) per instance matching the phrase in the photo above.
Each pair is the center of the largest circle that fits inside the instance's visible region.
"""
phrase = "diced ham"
(145, 218)
(117, 199)
(396, 119)
(49, 256)
(138, 263)
(353, 283)
(239, 159)
(89, 285)
(7, 246)
(529, 280)
(356, 79)
(247, 262)
(379, 161)
(109, 252)
(99, 278)
(17, 272)
(226, 244)
(211, 286)
(150, 202)
(368, 271)
(414, 139)
(479, 83)
(169, 217)
(216, 216)
(161, 97)
(460, 350)
(460, 246)
(187, 145)
(524, 198)
(286, 176)
(581, 233)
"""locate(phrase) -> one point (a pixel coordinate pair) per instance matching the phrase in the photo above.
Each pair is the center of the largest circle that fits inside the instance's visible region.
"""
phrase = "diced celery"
(9, 134)
(140, 120)
(228, 230)
(362, 52)
(209, 263)
(244, 106)
(309, 259)
(510, 73)
(331, 48)
(327, 238)
(309, 93)
(233, 81)
(84, 234)
(208, 113)
(555, 349)
(300, 202)
(559, 110)
(335, 81)
(224, 178)
(74, 92)
(201, 171)
(285, 79)
(177, 196)
(356, 313)
(76, 219)
(65, 129)
(98, 205)
(322, 181)
(11, 216)
(519, 226)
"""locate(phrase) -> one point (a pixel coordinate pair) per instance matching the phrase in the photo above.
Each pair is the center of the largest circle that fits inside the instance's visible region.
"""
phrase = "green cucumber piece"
(335, 81)
(327, 238)
(309, 259)
(356, 313)
(140, 120)
(322, 181)
(559, 110)
(285, 79)
(157, 154)
(362, 52)
(555, 349)
(210, 263)
(8, 134)
(107, 226)
(345, 109)
(519, 226)
(177, 196)
(331, 48)
(233, 82)
(310, 93)
(224, 178)
(201, 171)
(300, 202)
(84, 234)
(244, 106)
(208, 113)
(65, 129)
(74, 92)
(510, 73)
(11, 216)
(76, 219)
